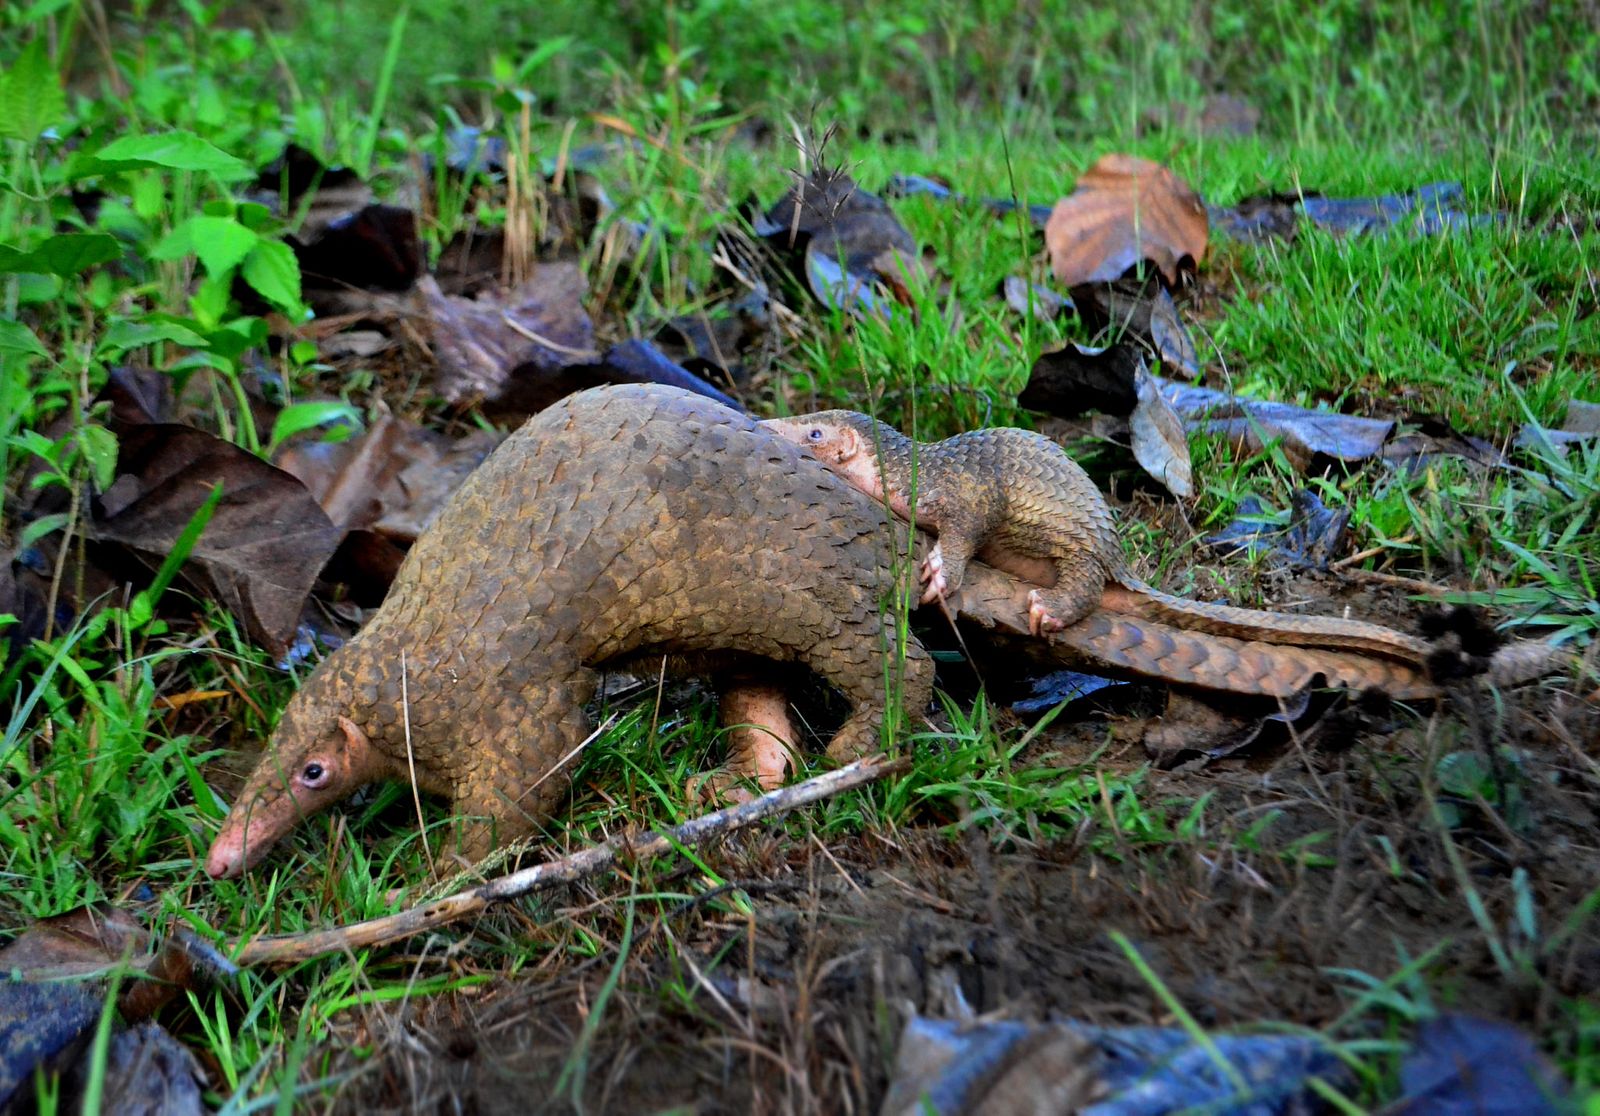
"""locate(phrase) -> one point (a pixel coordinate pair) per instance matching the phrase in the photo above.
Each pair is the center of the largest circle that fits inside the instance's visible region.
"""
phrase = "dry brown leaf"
(258, 556)
(1126, 209)
(1159, 443)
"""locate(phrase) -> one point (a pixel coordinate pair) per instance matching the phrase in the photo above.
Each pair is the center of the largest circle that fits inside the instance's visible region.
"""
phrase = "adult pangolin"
(629, 523)
(622, 523)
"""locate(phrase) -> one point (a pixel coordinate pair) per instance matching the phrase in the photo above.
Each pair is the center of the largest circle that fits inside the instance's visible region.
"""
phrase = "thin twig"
(283, 949)
(541, 339)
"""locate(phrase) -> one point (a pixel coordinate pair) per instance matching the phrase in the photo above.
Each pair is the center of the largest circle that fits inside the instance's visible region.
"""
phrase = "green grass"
(102, 788)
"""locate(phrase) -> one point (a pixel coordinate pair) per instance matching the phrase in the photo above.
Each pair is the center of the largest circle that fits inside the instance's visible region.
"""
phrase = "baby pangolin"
(1013, 498)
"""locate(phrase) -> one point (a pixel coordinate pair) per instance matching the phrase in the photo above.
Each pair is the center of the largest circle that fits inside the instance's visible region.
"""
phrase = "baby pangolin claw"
(932, 575)
(1040, 619)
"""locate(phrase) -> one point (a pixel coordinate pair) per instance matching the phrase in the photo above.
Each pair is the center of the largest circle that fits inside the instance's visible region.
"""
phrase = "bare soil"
(1322, 854)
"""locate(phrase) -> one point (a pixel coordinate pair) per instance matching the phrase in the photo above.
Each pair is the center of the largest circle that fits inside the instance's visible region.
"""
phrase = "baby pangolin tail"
(1328, 632)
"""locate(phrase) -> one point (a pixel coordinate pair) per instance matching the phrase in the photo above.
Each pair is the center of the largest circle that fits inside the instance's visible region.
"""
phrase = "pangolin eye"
(313, 773)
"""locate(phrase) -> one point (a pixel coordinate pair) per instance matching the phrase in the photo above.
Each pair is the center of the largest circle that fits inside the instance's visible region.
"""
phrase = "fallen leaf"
(394, 477)
(1461, 1066)
(267, 539)
(1426, 211)
(91, 943)
(43, 1026)
(1582, 425)
(374, 248)
(1159, 443)
(1195, 728)
(1582, 417)
(640, 362)
(944, 1067)
(537, 328)
(1028, 299)
(138, 396)
(1124, 211)
(1142, 311)
(382, 488)
(914, 185)
(713, 342)
(1421, 439)
(848, 241)
(1303, 435)
(22, 595)
(1049, 690)
(58, 973)
(1311, 537)
(1071, 379)
(147, 1071)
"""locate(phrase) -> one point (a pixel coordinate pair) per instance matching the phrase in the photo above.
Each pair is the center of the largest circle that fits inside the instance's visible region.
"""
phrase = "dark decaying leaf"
(148, 1072)
(1425, 211)
(92, 942)
(1421, 439)
(1582, 417)
(1074, 379)
(375, 247)
(945, 1068)
(42, 1026)
(23, 594)
(1159, 443)
(539, 327)
(713, 342)
(1126, 210)
(1461, 1066)
(49, 1027)
(640, 362)
(393, 478)
(1194, 728)
(1306, 437)
(847, 243)
(1031, 299)
(915, 185)
(1049, 690)
(1582, 425)
(1144, 312)
(1312, 537)
(345, 239)
(138, 396)
(951, 1066)
(296, 170)
(382, 488)
(266, 541)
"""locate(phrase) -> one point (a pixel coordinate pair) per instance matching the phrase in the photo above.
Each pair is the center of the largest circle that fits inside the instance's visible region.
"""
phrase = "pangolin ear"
(851, 444)
(355, 741)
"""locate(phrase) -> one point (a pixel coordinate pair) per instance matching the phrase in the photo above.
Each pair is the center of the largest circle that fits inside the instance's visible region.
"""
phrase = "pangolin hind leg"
(521, 768)
(1080, 581)
(761, 740)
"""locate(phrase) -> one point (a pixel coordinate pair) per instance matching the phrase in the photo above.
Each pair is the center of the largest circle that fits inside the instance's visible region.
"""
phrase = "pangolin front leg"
(521, 769)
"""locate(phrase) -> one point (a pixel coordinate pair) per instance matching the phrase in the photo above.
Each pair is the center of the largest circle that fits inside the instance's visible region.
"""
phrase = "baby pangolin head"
(847, 441)
(317, 757)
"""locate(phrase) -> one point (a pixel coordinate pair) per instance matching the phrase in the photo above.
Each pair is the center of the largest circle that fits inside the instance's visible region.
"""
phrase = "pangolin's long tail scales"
(1328, 632)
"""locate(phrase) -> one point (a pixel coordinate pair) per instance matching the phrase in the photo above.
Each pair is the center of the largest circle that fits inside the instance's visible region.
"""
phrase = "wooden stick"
(283, 949)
